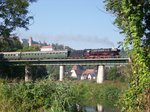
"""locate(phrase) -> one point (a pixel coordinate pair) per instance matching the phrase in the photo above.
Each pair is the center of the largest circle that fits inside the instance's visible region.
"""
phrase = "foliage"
(123, 53)
(10, 44)
(112, 74)
(53, 72)
(56, 96)
(29, 48)
(11, 73)
(37, 97)
(91, 93)
(16, 73)
(13, 14)
(39, 72)
(120, 73)
(132, 17)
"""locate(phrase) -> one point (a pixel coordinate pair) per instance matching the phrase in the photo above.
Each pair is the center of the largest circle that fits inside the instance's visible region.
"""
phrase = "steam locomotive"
(62, 54)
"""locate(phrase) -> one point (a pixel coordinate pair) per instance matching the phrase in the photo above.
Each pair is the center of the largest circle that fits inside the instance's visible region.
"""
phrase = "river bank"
(55, 96)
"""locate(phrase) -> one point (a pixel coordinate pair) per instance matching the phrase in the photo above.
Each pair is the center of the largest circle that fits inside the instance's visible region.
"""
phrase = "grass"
(55, 96)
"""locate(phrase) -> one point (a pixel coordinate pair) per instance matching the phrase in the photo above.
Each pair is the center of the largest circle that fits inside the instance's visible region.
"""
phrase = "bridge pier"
(28, 74)
(61, 72)
(100, 74)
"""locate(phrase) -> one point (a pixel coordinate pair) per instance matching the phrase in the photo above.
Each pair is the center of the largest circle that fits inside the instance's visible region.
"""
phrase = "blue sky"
(79, 24)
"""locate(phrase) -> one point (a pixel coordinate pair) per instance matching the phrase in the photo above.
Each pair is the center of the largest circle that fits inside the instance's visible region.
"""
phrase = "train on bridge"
(61, 54)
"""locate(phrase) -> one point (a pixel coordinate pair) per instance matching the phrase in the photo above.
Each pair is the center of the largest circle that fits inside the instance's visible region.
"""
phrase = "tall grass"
(91, 93)
(50, 96)
(37, 97)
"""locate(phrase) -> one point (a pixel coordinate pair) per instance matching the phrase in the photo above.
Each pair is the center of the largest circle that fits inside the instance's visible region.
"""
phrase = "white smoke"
(83, 39)
(69, 39)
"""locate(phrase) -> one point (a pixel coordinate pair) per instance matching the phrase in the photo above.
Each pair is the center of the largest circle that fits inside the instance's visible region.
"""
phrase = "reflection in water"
(98, 108)
(88, 109)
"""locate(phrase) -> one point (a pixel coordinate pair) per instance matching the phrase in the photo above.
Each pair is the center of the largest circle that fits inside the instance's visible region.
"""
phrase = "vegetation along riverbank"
(54, 96)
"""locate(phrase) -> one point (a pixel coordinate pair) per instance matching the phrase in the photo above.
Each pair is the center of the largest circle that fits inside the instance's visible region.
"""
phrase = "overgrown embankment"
(52, 96)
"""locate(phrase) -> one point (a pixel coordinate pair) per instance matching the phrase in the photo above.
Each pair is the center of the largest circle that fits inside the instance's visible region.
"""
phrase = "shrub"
(55, 96)
(38, 96)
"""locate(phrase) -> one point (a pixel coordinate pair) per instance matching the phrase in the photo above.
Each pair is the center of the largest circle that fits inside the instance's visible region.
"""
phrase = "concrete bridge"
(100, 63)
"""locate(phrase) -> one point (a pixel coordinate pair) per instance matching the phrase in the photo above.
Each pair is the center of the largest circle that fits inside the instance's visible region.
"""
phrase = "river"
(97, 108)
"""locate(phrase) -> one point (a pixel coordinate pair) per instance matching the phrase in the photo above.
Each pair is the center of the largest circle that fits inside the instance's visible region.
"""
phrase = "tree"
(29, 48)
(132, 18)
(10, 44)
(13, 14)
(112, 74)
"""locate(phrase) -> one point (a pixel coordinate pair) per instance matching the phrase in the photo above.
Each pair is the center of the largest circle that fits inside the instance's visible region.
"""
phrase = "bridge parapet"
(100, 61)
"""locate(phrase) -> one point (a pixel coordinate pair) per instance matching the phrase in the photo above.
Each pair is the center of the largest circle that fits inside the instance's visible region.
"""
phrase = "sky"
(80, 24)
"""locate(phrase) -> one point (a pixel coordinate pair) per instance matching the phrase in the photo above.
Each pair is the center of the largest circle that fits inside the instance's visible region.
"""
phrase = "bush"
(55, 96)
(36, 97)
(91, 93)
(115, 73)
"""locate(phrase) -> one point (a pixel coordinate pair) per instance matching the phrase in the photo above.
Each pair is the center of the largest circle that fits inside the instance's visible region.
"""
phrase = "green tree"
(132, 17)
(112, 74)
(13, 14)
(10, 44)
(29, 48)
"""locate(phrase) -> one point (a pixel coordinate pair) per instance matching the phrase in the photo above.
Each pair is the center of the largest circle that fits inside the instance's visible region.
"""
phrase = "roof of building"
(35, 44)
(89, 71)
(78, 69)
(49, 46)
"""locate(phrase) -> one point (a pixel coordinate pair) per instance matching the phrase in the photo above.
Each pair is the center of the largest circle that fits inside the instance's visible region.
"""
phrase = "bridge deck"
(100, 61)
